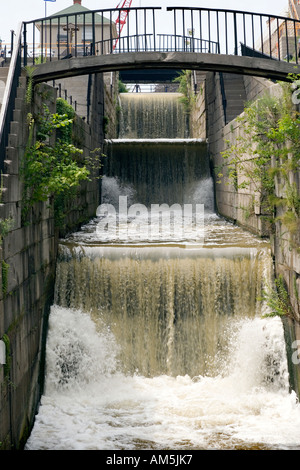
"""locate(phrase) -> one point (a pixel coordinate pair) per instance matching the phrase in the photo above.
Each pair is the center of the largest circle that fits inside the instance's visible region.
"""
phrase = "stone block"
(15, 242)
(19, 103)
(13, 140)
(12, 162)
(11, 188)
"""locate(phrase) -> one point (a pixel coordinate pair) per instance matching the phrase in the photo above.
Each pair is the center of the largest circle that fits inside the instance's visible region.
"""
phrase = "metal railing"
(273, 36)
(204, 30)
(162, 43)
(86, 33)
(10, 93)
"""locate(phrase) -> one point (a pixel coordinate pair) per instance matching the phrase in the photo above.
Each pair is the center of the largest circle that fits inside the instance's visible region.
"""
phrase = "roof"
(76, 8)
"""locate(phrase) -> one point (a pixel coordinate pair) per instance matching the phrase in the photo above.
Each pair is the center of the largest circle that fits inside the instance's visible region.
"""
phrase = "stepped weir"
(160, 341)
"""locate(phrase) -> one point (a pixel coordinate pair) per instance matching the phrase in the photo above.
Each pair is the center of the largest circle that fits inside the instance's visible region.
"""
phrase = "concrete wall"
(235, 205)
(83, 92)
(28, 257)
(198, 115)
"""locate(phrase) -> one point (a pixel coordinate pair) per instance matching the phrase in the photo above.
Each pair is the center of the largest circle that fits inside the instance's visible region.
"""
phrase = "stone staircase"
(235, 95)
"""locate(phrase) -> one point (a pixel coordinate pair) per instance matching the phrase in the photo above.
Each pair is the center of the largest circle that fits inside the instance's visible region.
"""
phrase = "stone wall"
(198, 115)
(28, 257)
(28, 266)
(238, 206)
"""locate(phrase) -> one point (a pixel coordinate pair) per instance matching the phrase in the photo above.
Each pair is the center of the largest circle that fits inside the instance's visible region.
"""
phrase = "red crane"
(122, 17)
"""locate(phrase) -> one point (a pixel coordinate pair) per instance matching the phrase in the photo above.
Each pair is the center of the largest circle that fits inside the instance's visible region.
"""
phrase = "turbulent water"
(161, 343)
(89, 403)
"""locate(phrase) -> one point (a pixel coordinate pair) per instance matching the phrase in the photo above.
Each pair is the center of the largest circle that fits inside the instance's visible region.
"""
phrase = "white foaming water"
(90, 404)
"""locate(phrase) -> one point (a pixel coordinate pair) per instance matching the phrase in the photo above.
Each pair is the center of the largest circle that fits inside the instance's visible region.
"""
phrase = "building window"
(87, 34)
(62, 37)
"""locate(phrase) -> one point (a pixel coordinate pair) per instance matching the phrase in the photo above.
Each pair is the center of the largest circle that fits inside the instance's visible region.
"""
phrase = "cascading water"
(151, 115)
(160, 342)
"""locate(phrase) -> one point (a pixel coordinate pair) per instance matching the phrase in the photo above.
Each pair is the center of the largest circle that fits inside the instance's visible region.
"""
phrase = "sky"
(12, 12)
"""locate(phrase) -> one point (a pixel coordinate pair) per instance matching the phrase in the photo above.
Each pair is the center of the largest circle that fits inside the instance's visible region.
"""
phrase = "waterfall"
(151, 115)
(154, 171)
(162, 343)
(167, 308)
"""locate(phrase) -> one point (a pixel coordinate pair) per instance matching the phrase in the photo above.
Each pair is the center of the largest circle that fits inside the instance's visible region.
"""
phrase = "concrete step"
(235, 95)
(4, 71)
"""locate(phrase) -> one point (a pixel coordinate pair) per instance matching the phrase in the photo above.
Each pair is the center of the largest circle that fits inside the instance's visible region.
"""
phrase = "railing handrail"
(224, 10)
(89, 12)
(8, 92)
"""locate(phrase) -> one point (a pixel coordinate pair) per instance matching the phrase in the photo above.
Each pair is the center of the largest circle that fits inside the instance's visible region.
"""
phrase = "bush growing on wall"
(51, 167)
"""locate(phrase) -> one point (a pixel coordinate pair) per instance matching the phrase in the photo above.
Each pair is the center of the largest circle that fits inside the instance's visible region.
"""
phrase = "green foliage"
(51, 166)
(105, 124)
(30, 85)
(5, 269)
(278, 299)
(122, 87)
(63, 108)
(266, 151)
(5, 227)
(185, 88)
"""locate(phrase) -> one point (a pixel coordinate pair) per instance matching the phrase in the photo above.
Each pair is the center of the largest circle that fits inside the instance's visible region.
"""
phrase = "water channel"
(157, 338)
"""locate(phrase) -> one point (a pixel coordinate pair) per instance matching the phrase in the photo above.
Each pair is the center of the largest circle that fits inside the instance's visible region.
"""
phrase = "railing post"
(25, 45)
(154, 33)
(235, 35)
(145, 29)
(50, 39)
(175, 30)
(11, 41)
(94, 34)
(102, 36)
(58, 39)
(287, 42)
(296, 51)
(111, 42)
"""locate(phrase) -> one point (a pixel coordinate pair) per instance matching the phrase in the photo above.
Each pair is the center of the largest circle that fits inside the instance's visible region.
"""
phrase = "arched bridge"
(86, 42)
(153, 38)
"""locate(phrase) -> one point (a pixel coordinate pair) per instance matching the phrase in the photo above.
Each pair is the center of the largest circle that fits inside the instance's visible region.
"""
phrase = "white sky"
(12, 12)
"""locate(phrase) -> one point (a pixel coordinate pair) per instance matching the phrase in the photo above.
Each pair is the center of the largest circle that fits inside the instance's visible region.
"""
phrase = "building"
(75, 31)
(72, 32)
(284, 35)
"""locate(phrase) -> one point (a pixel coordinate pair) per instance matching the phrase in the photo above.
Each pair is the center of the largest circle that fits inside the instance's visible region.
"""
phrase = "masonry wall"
(198, 116)
(28, 257)
(235, 205)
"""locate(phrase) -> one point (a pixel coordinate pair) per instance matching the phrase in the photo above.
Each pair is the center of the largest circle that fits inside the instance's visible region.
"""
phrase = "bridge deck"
(271, 69)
